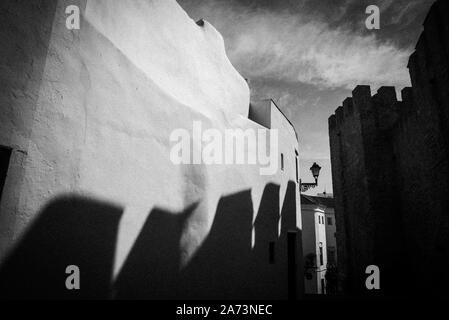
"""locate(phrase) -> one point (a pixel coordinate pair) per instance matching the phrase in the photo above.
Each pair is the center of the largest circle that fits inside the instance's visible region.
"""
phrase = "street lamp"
(315, 169)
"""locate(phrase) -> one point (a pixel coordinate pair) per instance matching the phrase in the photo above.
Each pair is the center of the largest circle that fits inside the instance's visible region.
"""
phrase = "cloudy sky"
(307, 55)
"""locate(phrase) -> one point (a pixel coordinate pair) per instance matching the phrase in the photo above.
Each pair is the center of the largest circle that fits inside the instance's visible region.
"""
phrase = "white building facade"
(314, 246)
(319, 232)
(87, 178)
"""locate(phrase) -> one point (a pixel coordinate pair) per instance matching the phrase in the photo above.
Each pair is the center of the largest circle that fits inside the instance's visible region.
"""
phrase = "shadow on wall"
(77, 231)
(70, 231)
(152, 267)
(228, 262)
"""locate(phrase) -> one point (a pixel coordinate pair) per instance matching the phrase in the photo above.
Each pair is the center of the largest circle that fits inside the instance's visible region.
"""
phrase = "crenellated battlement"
(390, 166)
(382, 108)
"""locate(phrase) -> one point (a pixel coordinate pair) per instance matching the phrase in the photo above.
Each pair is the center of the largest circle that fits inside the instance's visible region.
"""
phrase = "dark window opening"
(297, 169)
(282, 161)
(5, 156)
(321, 254)
(329, 221)
(271, 252)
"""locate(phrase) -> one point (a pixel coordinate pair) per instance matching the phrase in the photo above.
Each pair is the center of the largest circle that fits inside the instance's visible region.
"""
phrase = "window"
(282, 161)
(5, 155)
(329, 221)
(297, 170)
(320, 219)
(271, 252)
(321, 254)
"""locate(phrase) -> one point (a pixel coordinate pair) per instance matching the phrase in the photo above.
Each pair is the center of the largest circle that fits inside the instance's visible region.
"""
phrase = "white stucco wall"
(314, 233)
(89, 113)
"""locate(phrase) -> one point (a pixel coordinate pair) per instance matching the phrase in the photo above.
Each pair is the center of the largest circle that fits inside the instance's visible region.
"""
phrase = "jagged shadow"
(219, 268)
(73, 230)
(70, 230)
(263, 271)
(227, 267)
(151, 270)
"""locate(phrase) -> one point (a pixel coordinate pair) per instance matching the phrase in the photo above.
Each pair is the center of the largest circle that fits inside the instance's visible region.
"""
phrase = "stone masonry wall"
(390, 174)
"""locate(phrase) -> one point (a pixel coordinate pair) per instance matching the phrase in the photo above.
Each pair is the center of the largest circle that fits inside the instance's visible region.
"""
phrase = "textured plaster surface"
(89, 112)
